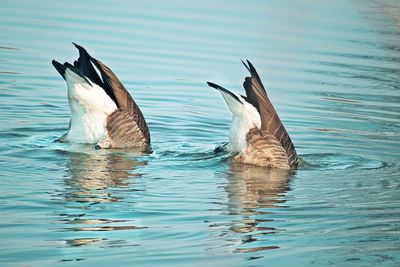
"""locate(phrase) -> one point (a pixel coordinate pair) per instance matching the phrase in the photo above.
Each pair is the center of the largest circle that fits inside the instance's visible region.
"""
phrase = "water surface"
(332, 72)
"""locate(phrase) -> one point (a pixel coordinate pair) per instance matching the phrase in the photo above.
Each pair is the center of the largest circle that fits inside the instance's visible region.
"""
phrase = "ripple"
(331, 161)
(103, 228)
(8, 48)
(255, 249)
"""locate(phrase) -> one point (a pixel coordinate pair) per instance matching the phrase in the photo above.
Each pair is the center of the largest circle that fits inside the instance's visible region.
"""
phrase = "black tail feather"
(218, 87)
(76, 71)
(84, 64)
(59, 67)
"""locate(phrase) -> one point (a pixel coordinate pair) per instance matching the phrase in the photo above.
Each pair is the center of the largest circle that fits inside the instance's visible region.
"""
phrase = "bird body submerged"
(256, 132)
(102, 110)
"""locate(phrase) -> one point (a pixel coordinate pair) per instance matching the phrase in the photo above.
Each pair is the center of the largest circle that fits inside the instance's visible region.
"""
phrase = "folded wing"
(270, 121)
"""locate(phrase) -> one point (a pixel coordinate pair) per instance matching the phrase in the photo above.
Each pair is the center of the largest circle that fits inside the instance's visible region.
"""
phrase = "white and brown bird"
(256, 133)
(102, 110)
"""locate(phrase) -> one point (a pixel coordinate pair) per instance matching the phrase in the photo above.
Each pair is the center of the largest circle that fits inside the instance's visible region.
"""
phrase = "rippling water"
(332, 71)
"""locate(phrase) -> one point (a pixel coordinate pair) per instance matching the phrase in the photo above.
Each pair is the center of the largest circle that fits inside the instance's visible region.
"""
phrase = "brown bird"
(102, 110)
(256, 133)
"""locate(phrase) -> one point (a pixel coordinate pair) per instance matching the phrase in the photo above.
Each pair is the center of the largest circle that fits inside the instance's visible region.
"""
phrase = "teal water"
(330, 68)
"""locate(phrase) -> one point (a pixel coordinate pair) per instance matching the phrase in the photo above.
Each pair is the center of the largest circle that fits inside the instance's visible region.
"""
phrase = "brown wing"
(125, 103)
(124, 131)
(270, 121)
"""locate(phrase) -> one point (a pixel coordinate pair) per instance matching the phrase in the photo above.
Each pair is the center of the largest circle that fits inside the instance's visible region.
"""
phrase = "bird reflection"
(90, 179)
(91, 174)
(252, 191)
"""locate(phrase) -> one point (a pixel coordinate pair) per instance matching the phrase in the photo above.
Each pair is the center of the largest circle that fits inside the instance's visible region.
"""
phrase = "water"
(332, 72)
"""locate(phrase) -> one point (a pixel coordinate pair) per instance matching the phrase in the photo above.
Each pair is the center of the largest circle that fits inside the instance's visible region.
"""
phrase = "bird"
(102, 110)
(257, 135)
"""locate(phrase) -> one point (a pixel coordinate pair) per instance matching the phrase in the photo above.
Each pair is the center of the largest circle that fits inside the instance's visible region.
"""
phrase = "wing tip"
(77, 46)
(253, 72)
(247, 67)
(82, 51)
(251, 67)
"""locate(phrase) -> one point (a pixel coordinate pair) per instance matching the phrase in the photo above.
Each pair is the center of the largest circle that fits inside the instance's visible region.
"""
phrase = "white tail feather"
(245, 117)
(90, 106)
(234, 105)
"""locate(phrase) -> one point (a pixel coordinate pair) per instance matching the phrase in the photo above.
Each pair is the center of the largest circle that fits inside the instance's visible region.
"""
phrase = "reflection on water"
(252, 191)
(91, 179)
(250, 187)
(91, 174)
